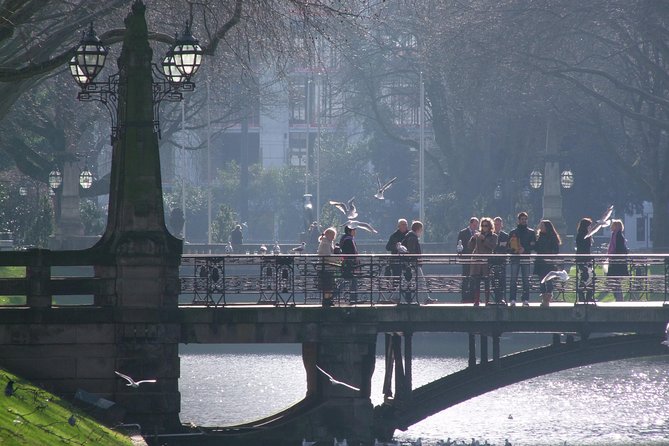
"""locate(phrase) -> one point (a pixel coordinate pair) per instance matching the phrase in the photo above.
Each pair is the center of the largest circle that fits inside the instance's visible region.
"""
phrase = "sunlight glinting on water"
(621, 403)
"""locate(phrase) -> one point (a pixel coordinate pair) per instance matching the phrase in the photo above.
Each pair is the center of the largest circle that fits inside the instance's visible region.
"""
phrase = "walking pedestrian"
(586, 271)
(498, 264)
(521, 241)
(326, 248)
(395, 267)
(548, 242)
(484, 242)
(313, 238)
(349, 265)
(617, 265)
(236, 239)
(462, 247)
(412, 243)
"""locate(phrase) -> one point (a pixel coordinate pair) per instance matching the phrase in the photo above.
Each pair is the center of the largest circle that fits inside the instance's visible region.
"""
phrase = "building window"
(297, 100)
(641, 229)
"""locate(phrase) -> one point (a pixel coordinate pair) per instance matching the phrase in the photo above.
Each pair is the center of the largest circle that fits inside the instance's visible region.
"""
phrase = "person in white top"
(326, 248)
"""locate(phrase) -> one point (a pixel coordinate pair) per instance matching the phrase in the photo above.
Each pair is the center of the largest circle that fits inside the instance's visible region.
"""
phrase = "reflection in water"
(621, 403)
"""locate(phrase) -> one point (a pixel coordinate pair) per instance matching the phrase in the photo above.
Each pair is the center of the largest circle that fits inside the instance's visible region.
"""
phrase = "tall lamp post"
(141, 257)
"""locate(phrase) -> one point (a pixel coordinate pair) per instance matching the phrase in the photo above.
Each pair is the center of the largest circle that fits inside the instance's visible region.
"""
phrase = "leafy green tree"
(223, 224)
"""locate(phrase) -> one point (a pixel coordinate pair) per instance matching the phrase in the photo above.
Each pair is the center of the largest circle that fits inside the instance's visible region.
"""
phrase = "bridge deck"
(254, 323)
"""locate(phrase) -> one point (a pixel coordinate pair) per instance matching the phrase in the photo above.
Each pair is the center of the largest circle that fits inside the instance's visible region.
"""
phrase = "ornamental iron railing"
(284, 280)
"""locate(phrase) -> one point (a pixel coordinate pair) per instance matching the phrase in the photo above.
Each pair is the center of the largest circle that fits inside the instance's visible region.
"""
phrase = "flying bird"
(348, 208)
(603, 222)
(382, 188)
(355, 224)
(335, 382)
(562, 276)
(401, 249)
(300, 248)
(132, 383)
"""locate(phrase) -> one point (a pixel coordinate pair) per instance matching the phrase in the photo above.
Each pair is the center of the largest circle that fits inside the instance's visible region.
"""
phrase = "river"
(615, 403)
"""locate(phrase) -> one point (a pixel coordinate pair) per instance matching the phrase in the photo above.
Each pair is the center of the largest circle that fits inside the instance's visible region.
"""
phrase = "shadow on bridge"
(476, 380)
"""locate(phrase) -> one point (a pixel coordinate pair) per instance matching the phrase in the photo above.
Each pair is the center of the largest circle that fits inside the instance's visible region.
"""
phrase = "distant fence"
(219, 280)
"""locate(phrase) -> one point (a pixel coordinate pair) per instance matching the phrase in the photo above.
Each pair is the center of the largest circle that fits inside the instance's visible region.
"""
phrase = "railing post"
(38, 278)
(407, 361)
(388, 378)
(399, 367)
(472, 349)
(495, 350)
(483, 342)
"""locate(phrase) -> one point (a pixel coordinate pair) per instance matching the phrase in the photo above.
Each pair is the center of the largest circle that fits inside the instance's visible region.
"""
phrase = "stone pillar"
(142, 258)
(348, 353)
(552, 199)
(69, 230)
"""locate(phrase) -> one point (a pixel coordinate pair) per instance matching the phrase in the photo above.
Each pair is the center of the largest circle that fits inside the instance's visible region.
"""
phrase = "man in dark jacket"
(463, 248)
(237, 239)
(521, 241)
(397, 236)
(498, 265)
(412, 244)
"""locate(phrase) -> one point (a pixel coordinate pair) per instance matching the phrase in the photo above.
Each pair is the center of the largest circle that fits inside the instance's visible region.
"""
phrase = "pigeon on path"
(299, 249)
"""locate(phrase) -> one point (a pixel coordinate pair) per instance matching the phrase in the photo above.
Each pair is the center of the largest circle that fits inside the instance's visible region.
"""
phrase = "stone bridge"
(126, 304)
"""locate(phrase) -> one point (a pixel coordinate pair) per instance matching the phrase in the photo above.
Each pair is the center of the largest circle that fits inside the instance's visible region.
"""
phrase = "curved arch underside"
(474, 381)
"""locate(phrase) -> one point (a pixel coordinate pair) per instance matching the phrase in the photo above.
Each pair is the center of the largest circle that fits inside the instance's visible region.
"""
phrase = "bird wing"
(126, 377)
(548, 277)
(366, 226)
(341, 206)
(596, 227)
(378, 182)
(334, 381)
(606, 215)
(146, 381)
(563, 275)
(325, 373)
(352, 211)
(388, 184)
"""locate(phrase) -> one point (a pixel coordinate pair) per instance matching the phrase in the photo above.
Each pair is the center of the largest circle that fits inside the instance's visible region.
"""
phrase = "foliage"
(223, 224)
(32, 416)
(29, 218)
(92, 217)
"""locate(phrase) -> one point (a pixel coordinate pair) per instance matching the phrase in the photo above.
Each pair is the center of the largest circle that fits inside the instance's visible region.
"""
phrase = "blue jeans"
(525, 273)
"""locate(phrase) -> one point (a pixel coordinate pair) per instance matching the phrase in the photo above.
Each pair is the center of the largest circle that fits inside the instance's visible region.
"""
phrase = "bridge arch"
(477, 380)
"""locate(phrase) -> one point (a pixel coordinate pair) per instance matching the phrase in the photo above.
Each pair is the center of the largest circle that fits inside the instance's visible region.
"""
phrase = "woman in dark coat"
(586, 271)
(617, 266)
(484, 242)
(347, 245)
(548, 242)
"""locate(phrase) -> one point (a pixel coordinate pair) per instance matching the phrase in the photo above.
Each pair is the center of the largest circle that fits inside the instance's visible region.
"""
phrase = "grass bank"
(34, 417)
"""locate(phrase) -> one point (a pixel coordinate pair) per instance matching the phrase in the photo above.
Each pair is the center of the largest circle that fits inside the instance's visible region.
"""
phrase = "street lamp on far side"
(567, 179)
(55, 179)
(536, 179)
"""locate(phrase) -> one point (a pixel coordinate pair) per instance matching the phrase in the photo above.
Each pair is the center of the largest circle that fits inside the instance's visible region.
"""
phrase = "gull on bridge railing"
(287, 279)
